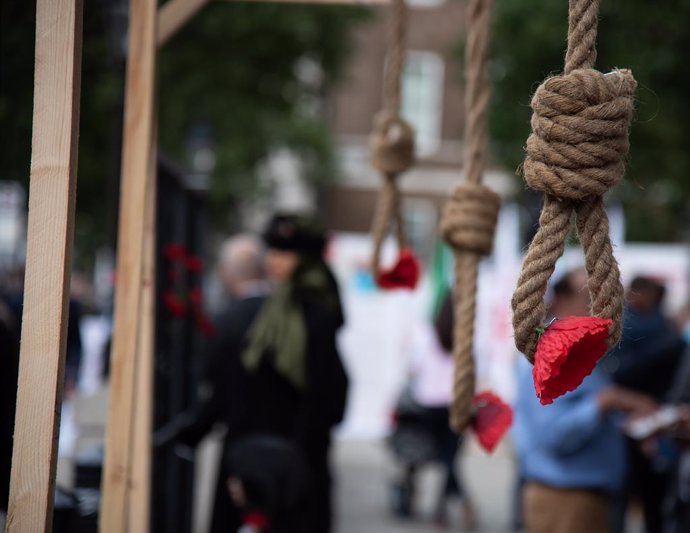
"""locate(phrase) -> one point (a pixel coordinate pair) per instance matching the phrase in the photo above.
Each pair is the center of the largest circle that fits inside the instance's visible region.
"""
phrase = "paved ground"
(365, 471)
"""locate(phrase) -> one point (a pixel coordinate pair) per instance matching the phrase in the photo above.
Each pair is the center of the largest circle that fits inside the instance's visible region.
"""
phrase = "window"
(422, 98)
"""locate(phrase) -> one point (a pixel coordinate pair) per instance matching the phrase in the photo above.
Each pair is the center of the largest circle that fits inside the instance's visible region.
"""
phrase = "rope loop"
(575, 154)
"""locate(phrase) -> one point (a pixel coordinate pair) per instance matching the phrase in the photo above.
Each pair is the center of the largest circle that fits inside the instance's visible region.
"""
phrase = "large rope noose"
(391, 141)
(575, 153)
(469, 218)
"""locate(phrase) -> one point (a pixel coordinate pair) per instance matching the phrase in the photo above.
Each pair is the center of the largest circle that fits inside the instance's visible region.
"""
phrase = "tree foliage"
(651, 39)
(256, 74)
(236, 67)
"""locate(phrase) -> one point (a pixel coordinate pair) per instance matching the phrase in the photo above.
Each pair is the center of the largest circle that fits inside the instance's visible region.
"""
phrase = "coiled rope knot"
(469, 219)
(579, 137)
(576, 153)
(392, 144)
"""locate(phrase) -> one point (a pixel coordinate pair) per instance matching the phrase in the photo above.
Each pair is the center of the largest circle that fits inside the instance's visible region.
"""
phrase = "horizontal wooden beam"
(174, 14)
(327, 2)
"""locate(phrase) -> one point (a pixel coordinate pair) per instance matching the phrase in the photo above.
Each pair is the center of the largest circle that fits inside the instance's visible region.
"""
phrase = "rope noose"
(391, 141)
(575, 153)
(469, 218)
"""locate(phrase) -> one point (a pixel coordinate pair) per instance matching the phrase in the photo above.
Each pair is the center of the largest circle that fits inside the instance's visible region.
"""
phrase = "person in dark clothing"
(651, 347)
(9, 359)
(646, 361)
(15, 302)
(275, 370)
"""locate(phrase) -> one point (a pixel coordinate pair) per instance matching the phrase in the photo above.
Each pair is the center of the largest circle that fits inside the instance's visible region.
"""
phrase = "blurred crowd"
(615, 448)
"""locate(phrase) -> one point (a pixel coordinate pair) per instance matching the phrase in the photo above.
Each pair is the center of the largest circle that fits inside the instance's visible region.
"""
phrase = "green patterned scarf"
(280, 331)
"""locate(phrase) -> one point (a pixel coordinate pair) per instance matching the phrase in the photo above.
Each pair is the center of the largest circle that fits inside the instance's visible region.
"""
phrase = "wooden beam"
(174, 14)
(140, 475)
(52, 192)
(325, 2)
(136, 153)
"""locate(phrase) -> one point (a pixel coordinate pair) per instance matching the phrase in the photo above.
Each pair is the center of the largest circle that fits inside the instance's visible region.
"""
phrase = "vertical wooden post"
(140, 476)
(48, 264)
(136, 153)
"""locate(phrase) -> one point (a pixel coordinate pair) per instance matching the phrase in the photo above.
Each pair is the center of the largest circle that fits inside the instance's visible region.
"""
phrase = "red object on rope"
(491, 419)
(403, 275)
(567, 352)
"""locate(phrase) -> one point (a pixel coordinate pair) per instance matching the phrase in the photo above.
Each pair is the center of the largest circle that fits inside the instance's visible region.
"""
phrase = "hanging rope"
(576, 153)
(391, 141)
(469, 218)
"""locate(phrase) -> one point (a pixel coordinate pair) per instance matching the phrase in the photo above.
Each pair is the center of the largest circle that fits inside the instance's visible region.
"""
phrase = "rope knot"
(391, 143)
(469, 219)
(579, 137)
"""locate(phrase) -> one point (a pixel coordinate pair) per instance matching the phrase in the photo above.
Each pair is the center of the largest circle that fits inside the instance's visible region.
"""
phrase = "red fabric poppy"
(175, 251)
(205, 325)
(257, 520)
(404, 274)
(174, 304)
(566, 354)
(194, 263)
(491, 420)
(195, 295)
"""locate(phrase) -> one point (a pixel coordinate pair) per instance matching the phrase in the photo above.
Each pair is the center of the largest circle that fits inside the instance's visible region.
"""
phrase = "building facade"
(432, 100)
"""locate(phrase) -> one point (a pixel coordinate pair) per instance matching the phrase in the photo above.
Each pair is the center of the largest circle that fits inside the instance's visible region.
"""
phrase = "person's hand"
(633, 403)
(680, 432)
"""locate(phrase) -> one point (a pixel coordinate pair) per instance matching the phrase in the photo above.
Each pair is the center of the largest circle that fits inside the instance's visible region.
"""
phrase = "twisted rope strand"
(470, 215)
(392, 140)
(477, 88)
(583, 19)
(603, 275)
(464, 302)
(396, 56)
(547, 246)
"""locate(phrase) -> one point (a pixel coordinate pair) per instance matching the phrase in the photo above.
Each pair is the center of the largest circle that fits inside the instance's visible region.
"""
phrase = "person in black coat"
(275, 370)
(9, 360)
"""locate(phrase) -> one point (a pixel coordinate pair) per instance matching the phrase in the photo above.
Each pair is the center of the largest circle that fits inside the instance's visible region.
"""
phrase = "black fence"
(181, 227)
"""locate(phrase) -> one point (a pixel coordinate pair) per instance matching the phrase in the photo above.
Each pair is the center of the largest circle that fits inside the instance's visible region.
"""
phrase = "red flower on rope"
(404, 274)
(567, 352)
(491, 420)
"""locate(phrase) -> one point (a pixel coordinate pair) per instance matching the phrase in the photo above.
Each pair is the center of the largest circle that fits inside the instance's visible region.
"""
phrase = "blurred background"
(268, 107)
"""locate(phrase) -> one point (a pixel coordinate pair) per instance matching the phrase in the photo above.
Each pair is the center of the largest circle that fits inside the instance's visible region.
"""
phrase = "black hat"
(297, 233)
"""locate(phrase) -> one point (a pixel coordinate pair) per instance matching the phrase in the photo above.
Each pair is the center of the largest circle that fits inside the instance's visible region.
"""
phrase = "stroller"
(420, 436)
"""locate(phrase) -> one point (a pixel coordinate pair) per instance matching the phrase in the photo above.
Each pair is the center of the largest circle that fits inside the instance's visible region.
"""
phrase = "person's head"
(292, 239)
(241, 261)
(645, 294)
(570, 295)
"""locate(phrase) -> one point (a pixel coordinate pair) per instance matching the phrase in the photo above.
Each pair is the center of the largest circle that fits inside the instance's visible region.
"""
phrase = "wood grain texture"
(136, 152)
(52, 192)
(140, 474)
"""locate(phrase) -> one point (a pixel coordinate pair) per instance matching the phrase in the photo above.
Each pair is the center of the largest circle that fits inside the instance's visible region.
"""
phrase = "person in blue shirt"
(572, 453)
